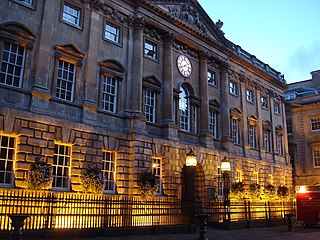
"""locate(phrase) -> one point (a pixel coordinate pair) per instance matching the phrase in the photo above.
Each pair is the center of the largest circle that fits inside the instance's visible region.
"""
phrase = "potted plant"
(254, 190)
(283, 192)
(39, 175)
(92, 180)
(238, 189)
(269, 191)
(148, 184)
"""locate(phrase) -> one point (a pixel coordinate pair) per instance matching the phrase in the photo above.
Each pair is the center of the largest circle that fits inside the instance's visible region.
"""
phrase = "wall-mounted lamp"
(191, 159)
(225, 165)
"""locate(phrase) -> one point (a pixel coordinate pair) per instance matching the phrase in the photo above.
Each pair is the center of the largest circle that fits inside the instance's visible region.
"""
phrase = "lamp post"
(191, 163)
(225, 169)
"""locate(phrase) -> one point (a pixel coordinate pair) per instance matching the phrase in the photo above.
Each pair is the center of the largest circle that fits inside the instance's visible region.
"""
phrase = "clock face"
(184, 65)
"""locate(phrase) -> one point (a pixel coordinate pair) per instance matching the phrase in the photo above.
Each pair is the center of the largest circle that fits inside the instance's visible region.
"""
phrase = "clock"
(184, 65)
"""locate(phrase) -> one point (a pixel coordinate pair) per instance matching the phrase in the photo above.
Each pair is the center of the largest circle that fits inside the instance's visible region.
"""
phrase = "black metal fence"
(61, 210)
(248, 210)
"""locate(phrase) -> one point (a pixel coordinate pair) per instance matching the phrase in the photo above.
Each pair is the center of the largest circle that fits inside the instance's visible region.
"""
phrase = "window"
(112, 33)
(289, 126)
(7, 156)
(184, 112)
(233, 88)
(315, 124)
(213, 123)
(316, 157)
(271, 178)
(27, 2)
(290, 96)
(61, 166)
(249, 95)
(212, 78)
(264, 102)
(238, 175)
(266, 139)
(156, 170)
(277, 108)
(195, 118)
(235, 131)
(12, 65)
(109, 171)
(150, 49)
(252, 136)
(150, 105)
(71, 14)
(220, 183)
(109, 94)
(279, 144)
(255, 177)
(65, 81)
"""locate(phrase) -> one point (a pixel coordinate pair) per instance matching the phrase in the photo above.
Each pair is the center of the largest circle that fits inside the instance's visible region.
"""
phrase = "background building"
(132, 86)
(303, 125)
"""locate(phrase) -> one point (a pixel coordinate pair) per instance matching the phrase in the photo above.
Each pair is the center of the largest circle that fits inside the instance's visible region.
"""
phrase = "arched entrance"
(193, 191)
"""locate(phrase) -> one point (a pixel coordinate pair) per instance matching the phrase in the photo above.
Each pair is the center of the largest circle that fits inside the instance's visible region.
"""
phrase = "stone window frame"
(214, 106)
(236, 117)
(150, 53)
(63, 166)
(75, 6)
(252, 125)
(276, 106)
(264, 102)
(30, 5)
(212, 78)
(315, 125)
(110, 174)
(113, 69)
(280, 140)
(67, 53)
(157, 170)
(233, 88)
(19, 34)
(11, 147)
(116, 26)
(266, 129)
(153, 84)
(249, 95)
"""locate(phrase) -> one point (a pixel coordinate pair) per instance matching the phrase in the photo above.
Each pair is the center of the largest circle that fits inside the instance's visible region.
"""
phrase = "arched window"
(184, 110)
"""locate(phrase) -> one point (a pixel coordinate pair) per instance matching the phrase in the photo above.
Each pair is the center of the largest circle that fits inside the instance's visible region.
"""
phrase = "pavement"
(268, 233)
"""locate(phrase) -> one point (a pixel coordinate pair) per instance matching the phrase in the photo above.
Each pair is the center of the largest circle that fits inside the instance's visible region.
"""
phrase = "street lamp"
(225, 169)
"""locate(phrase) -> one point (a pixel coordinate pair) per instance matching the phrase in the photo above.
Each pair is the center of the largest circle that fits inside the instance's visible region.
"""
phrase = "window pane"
(65, 81)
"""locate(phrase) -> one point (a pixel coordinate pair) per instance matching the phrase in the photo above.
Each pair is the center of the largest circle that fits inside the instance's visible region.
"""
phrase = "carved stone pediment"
(191, 13)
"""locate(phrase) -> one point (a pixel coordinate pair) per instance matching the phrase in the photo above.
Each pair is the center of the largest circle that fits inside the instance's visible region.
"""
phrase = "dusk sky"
(282, 33)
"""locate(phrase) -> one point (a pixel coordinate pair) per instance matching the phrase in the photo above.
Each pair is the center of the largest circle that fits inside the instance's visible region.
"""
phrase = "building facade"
(303, 125)
(131, 86)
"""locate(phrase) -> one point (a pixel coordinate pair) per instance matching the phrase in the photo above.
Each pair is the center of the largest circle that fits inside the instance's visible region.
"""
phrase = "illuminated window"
(156, 170)
(211, 78)
(71, 14)
(109, 94)
(65, 81)
(109, 171)
(61, 166)
(271, 179)
(12, 65)
(184, 112)
(316, 157)
(213, 123)
(112, 33)
(315, 124)
(7, 156)
(150, 105)
(238, 175)
(220, 183)
(255, 177)
(150, 49)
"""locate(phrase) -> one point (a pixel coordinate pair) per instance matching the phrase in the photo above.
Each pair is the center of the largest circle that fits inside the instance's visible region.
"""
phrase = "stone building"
(133, 85)
(303, 127)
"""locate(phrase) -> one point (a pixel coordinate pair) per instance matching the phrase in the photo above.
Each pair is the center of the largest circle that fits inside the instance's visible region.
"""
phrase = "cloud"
(304, 60)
